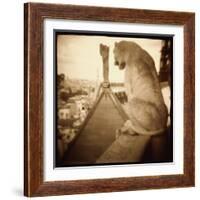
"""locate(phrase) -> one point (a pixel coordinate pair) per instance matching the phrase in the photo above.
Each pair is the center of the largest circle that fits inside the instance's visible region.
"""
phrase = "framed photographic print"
(109, 99)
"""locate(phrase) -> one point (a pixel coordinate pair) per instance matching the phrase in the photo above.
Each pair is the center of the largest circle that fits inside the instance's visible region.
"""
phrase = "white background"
(11, 101)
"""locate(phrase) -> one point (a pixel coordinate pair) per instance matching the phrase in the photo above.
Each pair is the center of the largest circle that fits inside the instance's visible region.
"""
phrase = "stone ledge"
(125, 149)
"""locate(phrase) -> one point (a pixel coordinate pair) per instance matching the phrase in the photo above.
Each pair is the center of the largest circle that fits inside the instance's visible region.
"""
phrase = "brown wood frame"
(34, 15)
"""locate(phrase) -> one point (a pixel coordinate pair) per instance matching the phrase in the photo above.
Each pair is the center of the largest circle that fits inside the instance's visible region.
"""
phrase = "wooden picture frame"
(34, 16)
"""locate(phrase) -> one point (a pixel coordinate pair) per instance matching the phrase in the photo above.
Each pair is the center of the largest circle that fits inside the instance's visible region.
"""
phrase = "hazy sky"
(79, 57)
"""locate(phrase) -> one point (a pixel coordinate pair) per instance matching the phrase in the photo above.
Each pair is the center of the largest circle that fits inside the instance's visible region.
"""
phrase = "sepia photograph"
(113, 98)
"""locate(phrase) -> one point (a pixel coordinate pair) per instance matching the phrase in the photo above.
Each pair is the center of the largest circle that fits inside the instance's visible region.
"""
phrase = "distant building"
(165, 62)
(64, 113)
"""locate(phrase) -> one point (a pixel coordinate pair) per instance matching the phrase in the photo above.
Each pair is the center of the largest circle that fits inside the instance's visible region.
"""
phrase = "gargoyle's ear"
(100, 48)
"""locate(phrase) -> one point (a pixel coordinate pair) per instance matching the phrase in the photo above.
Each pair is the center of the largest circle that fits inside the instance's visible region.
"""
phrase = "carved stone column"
(104, 52)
